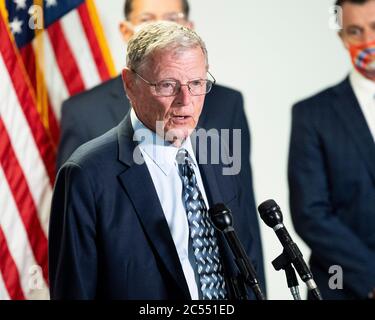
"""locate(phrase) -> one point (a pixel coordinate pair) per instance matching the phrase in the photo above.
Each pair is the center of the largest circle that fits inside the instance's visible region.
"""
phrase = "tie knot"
(185, 164)
(182, 156)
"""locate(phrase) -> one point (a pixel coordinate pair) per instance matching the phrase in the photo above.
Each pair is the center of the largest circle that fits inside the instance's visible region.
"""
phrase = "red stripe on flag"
(23, 199)
(9, 270)
(28, 57)
(65, 59)
(27, 102)
(93, 42)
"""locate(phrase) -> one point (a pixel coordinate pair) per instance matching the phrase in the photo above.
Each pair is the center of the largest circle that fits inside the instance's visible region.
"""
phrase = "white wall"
(275, 52)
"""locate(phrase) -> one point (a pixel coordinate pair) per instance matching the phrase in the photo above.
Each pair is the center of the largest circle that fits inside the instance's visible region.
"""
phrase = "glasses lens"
(166, 88)
(204, 87)
(197, 87)
(174, 17)
(178, 17)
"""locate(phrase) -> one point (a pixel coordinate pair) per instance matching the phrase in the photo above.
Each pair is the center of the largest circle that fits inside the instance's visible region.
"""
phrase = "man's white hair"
(163, 35)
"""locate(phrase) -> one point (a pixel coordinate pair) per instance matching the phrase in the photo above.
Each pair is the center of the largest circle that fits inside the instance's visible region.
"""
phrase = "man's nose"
(184, 97)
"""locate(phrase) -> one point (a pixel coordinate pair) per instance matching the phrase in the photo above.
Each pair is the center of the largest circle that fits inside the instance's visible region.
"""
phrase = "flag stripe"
(93, 42)
(15, 234)
(65, 59)
(28, 57)
(57, 88)
(75, 35)
(25, 148)
(9, 269)
(23, 200)
(99, 35)
(27, 102)
(3, 290)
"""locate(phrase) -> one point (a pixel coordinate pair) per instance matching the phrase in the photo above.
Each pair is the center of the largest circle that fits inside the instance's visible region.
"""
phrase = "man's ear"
(128, 81)
(189, 24)
(126, 29)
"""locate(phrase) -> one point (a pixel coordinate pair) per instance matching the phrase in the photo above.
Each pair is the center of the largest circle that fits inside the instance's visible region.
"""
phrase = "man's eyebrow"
(354, 26)
(145, 13)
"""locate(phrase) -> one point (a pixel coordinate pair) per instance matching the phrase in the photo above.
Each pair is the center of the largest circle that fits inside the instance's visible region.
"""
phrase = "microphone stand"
(246, 269)
(221, 218)
(271, 214)
(282, 262)
(238, 288)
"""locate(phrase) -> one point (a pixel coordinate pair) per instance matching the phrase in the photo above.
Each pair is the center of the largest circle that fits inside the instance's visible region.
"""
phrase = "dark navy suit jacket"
(92, 113)
(332, 189)
(108, 237)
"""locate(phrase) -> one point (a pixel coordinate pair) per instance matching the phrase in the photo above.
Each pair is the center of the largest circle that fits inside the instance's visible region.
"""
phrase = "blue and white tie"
(202, 233)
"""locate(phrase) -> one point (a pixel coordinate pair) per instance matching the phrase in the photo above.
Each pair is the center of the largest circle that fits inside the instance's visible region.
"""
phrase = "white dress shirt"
(364, 90)
(160, 158)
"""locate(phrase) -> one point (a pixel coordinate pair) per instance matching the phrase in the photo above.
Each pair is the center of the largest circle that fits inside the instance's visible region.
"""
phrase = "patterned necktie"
(202, 233)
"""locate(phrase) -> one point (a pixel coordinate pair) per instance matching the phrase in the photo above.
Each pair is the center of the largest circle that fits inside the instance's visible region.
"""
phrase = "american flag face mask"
(363, 58)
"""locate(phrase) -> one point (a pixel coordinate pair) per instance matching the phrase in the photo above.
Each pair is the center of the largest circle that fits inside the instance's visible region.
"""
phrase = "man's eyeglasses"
(177, 17)
(172, 87)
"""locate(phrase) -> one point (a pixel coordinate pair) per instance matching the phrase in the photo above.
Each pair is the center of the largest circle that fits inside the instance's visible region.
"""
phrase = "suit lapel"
(137, 182)
(350, 114)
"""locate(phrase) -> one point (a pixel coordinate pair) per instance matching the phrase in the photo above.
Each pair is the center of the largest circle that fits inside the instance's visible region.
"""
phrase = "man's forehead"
(358, 14)
(175, 53)
(161, 62)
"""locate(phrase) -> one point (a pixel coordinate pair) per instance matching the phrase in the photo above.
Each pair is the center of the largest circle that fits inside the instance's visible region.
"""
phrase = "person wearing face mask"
(331, 167)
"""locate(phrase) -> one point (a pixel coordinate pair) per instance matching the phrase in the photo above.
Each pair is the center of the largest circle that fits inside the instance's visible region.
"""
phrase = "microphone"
(222, 219)
(271, 214)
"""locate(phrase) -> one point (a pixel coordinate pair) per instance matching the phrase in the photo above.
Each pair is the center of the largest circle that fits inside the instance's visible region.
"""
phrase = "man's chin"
(177, 135)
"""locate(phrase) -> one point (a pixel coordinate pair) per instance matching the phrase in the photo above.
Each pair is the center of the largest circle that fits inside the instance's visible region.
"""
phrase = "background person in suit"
(105, 240)
(332, 166)
(92, 113)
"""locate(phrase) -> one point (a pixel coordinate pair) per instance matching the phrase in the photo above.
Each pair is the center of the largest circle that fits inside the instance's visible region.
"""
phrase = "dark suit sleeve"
(313, 214)
(246, 180)
(72, 250)
(240, 121)
(73, 132)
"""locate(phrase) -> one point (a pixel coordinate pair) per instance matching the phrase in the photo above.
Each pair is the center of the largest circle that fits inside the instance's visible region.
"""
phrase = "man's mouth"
(181, 117)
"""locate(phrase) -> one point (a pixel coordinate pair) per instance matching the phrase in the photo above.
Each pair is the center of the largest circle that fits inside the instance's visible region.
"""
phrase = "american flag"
(49, 50)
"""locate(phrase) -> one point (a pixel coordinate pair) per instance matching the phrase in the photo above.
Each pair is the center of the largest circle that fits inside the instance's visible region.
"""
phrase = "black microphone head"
(221, 216)
(270, 213)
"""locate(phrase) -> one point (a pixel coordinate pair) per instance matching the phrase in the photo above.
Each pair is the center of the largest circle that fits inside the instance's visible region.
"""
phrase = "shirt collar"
(161, 152)
(362, 84)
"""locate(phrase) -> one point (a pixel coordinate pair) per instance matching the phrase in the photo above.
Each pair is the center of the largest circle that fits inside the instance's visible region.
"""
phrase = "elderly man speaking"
(127, 229)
